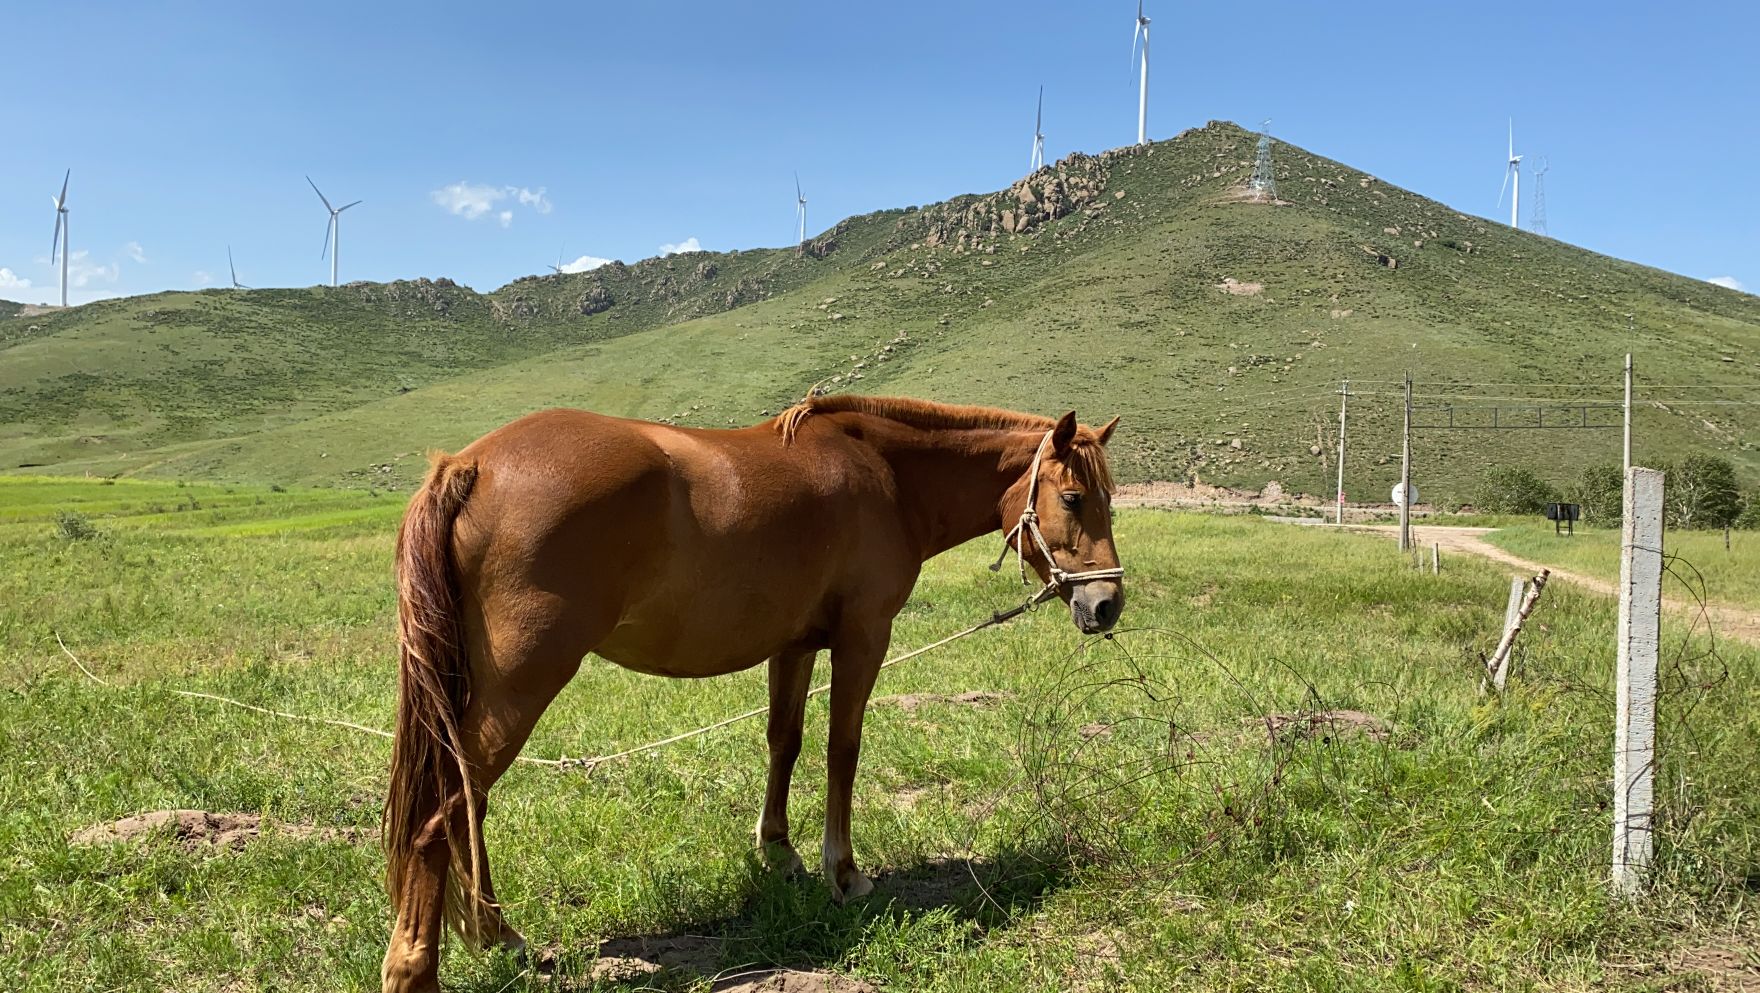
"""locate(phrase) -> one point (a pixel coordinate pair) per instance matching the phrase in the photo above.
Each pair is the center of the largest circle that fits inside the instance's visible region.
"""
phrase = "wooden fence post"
(1518, 587)
(1640, 633)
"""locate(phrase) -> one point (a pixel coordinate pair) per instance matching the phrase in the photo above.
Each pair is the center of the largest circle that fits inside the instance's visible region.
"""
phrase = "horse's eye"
(1072, 501)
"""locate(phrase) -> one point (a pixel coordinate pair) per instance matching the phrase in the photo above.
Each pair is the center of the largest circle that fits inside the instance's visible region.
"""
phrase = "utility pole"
(1628, 445)
(1405, 475)
(1344, 394)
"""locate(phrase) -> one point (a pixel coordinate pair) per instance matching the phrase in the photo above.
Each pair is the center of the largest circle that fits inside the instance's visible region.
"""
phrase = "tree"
(1515, 491)
(1702, 493)
(1600, 490)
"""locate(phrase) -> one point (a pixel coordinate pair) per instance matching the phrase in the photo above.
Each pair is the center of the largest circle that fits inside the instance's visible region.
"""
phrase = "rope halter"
(1028, 525)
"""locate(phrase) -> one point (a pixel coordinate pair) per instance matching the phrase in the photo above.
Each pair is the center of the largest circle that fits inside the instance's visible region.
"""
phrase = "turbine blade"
(230, 266)
(1504, 189)
(1039, 119)
(320, 194)
(1512, 137)
(346, 206)
(62, 201)
(55, 245)
(323, 254)
(797, 186)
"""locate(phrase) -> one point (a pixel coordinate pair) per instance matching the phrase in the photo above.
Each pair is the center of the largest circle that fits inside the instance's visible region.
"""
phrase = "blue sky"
(486, 138)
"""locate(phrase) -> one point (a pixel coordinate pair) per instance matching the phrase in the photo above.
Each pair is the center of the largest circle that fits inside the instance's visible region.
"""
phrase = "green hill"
(1135, 282)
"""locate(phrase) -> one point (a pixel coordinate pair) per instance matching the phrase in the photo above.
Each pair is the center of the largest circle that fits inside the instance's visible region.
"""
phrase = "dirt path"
(1727, 621)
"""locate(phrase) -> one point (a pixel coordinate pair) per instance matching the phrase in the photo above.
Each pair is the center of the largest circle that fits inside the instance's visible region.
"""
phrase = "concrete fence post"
(1640, 634)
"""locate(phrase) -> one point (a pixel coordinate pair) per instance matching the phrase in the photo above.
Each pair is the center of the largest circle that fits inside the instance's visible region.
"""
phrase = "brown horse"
(686, 553)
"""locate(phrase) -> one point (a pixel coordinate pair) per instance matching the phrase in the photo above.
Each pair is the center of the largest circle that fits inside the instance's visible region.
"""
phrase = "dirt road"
(1727, 621)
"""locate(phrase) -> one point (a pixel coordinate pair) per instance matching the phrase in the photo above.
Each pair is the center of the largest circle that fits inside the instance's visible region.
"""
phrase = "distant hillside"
(1135, 282)
(10, 309)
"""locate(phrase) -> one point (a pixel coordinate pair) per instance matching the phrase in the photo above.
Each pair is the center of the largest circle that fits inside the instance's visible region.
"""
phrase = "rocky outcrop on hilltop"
(408, 296)
(1072, 184)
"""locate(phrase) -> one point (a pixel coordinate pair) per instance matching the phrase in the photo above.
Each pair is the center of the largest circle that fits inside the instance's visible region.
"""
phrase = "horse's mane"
(1087, 460)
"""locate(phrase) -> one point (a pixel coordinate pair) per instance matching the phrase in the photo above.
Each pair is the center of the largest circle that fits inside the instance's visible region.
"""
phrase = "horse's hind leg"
(790, 673)
(526, 664)
(516, 671)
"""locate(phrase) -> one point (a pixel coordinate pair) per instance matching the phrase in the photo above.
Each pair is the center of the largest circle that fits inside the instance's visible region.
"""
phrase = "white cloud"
(136, 252)
(467, 200)
(203, 277)
(80, 271)
(1727, 282)
(10, 280)
(585, 263)
(473, 200)
(687, 245)
(534, 199)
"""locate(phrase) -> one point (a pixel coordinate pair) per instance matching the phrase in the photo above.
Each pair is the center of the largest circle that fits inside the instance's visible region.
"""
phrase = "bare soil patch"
(625, 960)
(197, 829)
(792, 981)
(1729, 964)
(1324, 724)
(910, 702)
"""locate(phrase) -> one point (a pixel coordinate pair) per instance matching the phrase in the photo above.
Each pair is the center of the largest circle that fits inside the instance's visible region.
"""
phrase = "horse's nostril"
(1106, 611)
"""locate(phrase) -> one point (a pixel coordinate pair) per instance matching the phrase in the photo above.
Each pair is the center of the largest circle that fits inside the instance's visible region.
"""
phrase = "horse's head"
(1072, 500)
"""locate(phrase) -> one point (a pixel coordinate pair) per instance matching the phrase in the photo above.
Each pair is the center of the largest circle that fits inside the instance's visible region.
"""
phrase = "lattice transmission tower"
(1263, 185)
(1538, 223)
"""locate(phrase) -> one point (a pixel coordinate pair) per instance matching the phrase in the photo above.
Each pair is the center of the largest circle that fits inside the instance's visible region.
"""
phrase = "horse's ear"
(1106, 432)
(1064, 433)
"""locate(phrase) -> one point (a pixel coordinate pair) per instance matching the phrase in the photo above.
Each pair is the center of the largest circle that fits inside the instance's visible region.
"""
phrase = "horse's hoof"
(853, 886)
(781, 857)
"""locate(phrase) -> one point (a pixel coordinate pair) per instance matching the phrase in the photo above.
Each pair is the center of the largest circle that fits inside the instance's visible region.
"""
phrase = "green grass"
(1112, 309)
(1729, 575)
(1466, 851)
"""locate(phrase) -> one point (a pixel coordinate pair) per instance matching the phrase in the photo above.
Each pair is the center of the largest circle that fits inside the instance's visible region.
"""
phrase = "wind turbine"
(61, 236)
(558, 266)
(1039, 134)
(332, 233)
(1142, 29)
(800, 209)
(234, 269)
(1513, 174)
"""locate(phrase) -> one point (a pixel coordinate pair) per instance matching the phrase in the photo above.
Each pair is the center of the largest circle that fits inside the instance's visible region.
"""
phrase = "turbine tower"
(800, 210)
(1039, 134)
(234, 269)
(1512, 181)
(1537, 223)
(1142, 29)
(61, 235)
(333, 232)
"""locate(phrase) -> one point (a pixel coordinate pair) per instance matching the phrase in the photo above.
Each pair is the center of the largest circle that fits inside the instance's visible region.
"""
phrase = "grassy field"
(1120, 305)
(1132, 823)
(1701, 566)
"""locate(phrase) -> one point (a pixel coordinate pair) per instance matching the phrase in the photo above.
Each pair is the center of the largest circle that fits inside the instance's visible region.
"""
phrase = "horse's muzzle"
(1095, 606)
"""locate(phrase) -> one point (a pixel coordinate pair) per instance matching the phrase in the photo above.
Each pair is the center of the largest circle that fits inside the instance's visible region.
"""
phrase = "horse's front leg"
(790, 673)
(855, 661)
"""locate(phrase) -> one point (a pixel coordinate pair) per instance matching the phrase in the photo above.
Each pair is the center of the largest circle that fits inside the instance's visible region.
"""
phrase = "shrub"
(1701, 492)
(73, 526)
(1515, 491)
(1600, 490)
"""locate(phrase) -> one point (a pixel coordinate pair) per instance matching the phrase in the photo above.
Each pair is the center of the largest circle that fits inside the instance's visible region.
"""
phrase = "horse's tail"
(431, 782)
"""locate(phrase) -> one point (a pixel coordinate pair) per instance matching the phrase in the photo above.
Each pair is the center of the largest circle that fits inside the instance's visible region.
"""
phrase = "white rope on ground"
(589, 764)
(193, 695)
